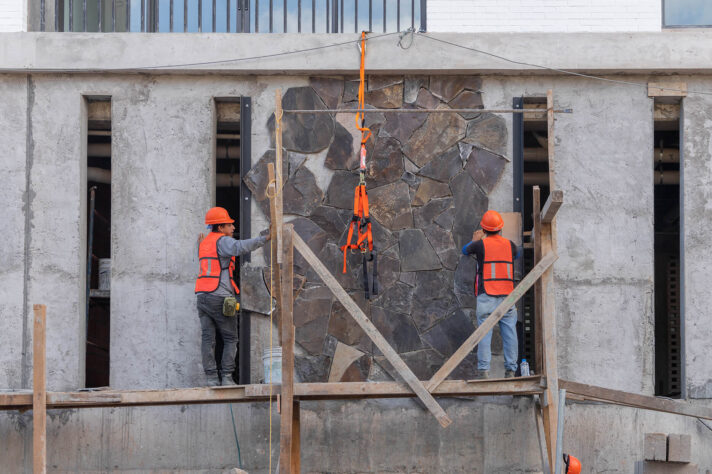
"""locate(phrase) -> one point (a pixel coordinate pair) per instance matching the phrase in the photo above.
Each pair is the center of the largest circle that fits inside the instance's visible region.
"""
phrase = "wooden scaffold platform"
(548, 387)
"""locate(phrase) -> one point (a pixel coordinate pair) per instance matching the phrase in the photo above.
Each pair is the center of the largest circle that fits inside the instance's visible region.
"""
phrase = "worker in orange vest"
(217, 291)
(494, 280)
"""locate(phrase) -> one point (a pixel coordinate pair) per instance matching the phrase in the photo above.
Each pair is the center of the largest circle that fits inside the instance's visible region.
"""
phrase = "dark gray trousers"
(212, 319)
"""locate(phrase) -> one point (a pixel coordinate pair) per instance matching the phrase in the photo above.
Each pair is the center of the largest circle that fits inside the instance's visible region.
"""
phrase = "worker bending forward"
(494, 280)
(217, 291)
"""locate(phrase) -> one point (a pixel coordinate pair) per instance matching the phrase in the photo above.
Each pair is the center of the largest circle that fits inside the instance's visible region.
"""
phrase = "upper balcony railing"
(231, 16)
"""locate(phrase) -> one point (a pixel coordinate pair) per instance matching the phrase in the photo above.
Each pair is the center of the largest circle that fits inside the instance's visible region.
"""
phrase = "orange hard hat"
(573, 465)
(492, 221)
(218, 215)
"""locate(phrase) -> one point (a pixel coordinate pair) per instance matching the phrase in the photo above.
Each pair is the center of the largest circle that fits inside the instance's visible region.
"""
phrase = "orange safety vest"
(210, 269)
(498, 269)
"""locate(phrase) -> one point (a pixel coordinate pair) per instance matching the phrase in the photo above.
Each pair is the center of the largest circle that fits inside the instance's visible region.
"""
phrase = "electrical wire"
(561, 71)
(217, 61)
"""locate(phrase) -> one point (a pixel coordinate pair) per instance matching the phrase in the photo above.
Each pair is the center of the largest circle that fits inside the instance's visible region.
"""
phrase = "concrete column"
(604, 275)
(162, 184)
(697, 225)
(57, 224)
(14, 215)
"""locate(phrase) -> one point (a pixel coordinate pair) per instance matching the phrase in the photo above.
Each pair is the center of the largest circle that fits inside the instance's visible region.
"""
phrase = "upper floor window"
(687, 13)
(233, 16)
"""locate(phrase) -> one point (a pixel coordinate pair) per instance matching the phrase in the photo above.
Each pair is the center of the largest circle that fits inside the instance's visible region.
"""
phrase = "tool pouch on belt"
(230, 306)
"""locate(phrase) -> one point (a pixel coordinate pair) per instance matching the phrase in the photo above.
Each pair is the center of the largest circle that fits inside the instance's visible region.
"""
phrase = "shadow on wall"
(428, 179)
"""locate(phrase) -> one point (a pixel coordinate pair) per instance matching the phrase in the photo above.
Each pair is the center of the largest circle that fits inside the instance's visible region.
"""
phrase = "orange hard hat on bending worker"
(572, 465)
(218, 215)
(492, 221)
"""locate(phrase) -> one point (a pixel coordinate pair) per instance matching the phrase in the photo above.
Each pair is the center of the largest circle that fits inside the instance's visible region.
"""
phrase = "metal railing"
(233, 16)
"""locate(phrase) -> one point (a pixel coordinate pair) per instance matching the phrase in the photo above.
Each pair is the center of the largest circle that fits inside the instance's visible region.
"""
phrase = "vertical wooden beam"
(278, 165)
(536, 238)
(548, 307)
(39, 391)
(287, 390)
(274, 223)
(296, 439)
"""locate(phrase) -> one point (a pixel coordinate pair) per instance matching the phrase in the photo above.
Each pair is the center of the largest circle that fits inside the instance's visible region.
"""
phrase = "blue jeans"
(507, 328)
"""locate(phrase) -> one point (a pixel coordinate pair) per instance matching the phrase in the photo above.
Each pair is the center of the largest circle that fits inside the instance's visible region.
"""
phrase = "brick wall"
(12, 15)
(543, 15)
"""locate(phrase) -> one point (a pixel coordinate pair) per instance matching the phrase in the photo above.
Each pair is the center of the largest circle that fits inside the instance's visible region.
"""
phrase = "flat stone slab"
(304, 133)
(444, 166)
(437, 135)
(254, 295)
(330, 89)
(467, 100)
(301, 194)
(416, 252)
(485, 168)
(489, 132)
(390, 204)
(385, 164)
(470, 204)
(449, 333)
(341, 154)
(429, 189)
(447, 87)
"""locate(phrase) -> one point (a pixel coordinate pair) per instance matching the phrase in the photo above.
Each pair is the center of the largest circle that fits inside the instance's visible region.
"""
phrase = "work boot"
(213, 380)
(227, 380)
(482, 374)
(508, 374)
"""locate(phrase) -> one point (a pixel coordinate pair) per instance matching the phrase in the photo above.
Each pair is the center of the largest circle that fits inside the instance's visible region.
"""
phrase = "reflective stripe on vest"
(498, 268)
(210, 269)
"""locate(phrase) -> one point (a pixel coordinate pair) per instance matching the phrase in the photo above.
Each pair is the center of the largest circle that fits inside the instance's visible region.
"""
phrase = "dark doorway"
(98, 311)
(531, 168)
(668, 290)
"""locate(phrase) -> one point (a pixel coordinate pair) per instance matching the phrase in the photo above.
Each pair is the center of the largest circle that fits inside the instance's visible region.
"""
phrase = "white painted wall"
(13, 15)
(544, 15)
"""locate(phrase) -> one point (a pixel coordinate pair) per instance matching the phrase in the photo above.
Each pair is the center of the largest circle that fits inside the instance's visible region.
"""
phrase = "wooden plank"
(556, 198)
(667, 89)
(296, 438)
(490, 322)
(453, 388)
(512, 229)
(539, 431)
(260, 393)
(274, 223)
(278, 165)
(548, 306)
(536, 240)
(368, 327)
(39, 391)
(635, 400)
(287, 392)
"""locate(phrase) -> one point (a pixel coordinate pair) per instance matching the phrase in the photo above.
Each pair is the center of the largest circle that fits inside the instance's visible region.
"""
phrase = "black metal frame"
(334, 15)
(245, 230)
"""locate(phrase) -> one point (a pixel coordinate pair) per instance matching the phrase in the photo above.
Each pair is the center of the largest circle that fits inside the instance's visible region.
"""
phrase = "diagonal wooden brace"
(362, 320)
(490, 322)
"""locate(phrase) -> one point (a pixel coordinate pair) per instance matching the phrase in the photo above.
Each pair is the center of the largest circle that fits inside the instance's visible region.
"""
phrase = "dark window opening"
(98, 314)
(531, 168)
(227, 183)
(666, 165)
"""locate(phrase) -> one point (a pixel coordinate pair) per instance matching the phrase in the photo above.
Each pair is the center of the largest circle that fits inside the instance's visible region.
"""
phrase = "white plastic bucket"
(276, 371)
(105, 274)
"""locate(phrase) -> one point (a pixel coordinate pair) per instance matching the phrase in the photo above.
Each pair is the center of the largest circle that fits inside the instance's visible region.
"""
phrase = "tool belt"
(231, 306)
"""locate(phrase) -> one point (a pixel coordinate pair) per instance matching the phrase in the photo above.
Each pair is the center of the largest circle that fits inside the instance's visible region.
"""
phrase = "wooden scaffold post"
(39, 391)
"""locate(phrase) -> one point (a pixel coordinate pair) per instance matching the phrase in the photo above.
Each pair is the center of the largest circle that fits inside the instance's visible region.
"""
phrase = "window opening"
(666, 166)
(532, 169)
(98, 309)
(227, 187)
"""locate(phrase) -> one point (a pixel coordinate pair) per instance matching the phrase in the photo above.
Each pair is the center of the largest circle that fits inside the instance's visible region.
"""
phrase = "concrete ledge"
(681, 52)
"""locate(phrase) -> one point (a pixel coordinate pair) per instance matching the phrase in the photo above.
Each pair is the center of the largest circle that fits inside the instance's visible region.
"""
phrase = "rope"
(360, 117)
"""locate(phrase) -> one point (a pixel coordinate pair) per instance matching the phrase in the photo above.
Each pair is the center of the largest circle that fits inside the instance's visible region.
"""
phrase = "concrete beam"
(602, 53)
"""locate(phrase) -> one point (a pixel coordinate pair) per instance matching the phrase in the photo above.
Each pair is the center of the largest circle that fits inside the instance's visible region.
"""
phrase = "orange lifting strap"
(361, 221)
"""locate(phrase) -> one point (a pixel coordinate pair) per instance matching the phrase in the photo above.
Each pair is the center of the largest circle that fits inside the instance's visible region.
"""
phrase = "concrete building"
(167, 125)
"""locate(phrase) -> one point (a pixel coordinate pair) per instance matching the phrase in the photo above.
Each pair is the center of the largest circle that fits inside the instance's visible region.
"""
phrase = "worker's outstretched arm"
(229, 246)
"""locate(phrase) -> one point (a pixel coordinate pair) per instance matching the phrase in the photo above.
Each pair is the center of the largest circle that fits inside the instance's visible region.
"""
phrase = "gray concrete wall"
(488, 435)
(13, 213)
(671, 52)
(697, 215)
